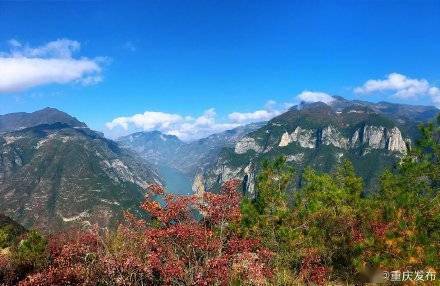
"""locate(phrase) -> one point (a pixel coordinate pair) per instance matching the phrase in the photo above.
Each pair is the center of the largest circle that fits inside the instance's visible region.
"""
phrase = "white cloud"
(434, 92)
(247, 117)
(61, 48)
(313, 96)
(186, 127)
(401, 86)
(270, 110)
(148, 120)
(398, 83)
(25, 67)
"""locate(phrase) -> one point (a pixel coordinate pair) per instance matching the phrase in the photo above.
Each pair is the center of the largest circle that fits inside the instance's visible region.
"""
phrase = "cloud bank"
(187, 127)
(190, 128)
(270, 111)
(25, 67)
(184, 127)
(402, 87)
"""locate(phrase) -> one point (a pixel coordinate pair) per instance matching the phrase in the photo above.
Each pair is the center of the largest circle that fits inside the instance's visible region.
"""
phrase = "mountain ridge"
(320, 135)
(48, 115)
(54, 176)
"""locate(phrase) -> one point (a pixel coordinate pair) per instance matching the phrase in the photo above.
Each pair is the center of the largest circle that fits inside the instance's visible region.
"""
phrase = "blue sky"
(191, 68)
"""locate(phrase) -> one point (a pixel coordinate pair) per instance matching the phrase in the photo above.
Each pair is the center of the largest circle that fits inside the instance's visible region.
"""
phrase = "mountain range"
(55, 175)
(55, 172)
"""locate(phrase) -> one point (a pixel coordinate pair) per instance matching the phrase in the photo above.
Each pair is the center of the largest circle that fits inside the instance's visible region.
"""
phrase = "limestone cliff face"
(285, 139)
(305, 138)
(246, 144)
(249, 180)
(373, 137)
(395, 141)
(331, 136)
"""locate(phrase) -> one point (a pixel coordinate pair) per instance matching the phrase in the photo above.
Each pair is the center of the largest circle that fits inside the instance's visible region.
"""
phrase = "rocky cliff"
(374, 137)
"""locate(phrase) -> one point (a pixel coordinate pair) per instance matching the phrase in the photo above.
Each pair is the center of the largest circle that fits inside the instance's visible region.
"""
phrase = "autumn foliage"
(327, 231)
(187, 240)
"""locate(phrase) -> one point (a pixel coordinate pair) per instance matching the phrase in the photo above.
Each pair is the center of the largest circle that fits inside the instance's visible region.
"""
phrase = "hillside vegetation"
(328, 231)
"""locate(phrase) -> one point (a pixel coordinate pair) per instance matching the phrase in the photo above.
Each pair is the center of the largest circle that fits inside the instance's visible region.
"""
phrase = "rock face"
(285, 140)
(331, 136)
(395, 141)
(295, 157)
(304, 137)
(249, 180)
(55, 176)
(375, 137)
(246, 144)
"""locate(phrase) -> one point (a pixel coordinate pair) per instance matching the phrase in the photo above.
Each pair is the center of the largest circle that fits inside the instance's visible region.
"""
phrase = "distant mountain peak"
(149, 135)
(48, 115)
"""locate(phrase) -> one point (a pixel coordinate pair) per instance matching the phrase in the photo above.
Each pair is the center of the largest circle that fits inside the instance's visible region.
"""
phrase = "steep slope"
(320, 136)
(198, 154)
(53, 176)
(21, 120)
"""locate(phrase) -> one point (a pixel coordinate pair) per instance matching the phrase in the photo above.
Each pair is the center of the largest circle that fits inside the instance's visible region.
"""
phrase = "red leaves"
(356, 232)
(58, 276)
(200, 250)
(237, 245)
(312, 269)
(3, 261)
(156, 189)
(223, 207)
(176, 208)
(177, 247)
(379, 229)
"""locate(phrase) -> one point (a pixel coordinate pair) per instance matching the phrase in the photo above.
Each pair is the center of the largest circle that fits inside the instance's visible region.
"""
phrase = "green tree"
(327, 216)
(5, 237)
(31, 251)
(408, 207)
(267, 215)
